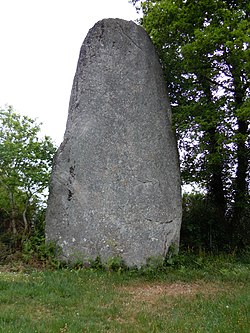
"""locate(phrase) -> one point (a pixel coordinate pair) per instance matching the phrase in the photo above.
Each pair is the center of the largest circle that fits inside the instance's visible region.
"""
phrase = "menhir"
(115, 186)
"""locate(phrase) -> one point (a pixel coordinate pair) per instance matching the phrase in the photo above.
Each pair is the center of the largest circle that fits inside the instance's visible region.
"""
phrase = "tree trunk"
(13, 220)
(239, 219)
(215, 186)
(240, 222)
(216, 193)
(25, 220)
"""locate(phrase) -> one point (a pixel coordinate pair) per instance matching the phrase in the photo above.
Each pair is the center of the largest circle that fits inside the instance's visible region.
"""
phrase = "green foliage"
(113, 264)
(36, 248)
(97, 263)
(116, 264)
(199, 226)
(3, 252)
(25, 159)
(25, 166)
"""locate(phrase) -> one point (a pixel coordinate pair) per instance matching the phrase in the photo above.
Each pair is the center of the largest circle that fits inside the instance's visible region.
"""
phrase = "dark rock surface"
(115, 187)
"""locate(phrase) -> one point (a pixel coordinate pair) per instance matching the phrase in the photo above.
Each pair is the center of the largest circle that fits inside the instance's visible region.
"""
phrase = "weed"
(116, 264)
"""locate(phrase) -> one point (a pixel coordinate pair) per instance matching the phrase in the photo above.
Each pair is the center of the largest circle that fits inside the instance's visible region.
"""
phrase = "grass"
(194, 294)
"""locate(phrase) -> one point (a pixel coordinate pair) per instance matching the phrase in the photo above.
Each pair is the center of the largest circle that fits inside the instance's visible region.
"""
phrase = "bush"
(200, 228)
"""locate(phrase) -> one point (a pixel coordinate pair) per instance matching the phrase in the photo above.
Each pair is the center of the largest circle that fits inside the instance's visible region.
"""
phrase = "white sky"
(40, 42)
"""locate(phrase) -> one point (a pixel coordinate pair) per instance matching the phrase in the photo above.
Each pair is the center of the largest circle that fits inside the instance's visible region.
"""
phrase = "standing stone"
(115, 187)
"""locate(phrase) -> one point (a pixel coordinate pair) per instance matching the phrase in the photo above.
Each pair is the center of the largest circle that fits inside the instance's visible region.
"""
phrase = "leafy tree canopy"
(25, 164)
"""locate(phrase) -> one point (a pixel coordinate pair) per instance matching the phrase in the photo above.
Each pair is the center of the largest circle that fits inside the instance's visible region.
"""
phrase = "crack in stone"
(166, 222)
(148, 181)
(160, 222)
(129, 37)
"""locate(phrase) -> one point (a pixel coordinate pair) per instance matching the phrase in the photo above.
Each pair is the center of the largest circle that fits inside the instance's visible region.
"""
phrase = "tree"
(25, 165)
(204, 49)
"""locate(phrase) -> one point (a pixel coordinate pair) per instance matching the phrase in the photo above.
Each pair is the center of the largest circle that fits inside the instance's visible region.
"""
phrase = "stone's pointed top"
(111, 22)
(111, 33)
(115, 187)
(120, 26)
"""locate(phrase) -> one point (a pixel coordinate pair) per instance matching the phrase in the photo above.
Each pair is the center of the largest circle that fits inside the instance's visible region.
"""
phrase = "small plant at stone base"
(35, 248)
(97, 263)
(172, 257)
(116, 264)
(155, 263)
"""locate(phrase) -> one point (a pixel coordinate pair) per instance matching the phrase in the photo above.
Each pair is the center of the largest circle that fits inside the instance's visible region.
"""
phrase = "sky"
(40, 42)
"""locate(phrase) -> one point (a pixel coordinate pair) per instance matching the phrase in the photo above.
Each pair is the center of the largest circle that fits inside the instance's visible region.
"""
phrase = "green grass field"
(201, 295)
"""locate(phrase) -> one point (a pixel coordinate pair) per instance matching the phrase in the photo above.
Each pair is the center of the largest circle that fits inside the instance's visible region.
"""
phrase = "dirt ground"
(151, 292)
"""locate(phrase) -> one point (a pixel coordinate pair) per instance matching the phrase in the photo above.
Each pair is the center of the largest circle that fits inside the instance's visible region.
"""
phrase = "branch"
(220, 85)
